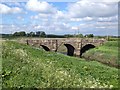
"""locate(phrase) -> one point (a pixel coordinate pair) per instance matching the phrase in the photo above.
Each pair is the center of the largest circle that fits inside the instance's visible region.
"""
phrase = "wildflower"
(65, 73)
(92, 87)
(78, 85)
(62, 79)
(50, 63)
(111, 86)
(61, 72)
(69, 76)
(90, 81)
(86, 68)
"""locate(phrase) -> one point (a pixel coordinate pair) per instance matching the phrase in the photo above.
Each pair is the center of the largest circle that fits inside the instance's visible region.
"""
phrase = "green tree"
(16, 34)
(68, 35)
(89, 35)
(42, 34)
(79, 35)
(32, 34)
(22, 33)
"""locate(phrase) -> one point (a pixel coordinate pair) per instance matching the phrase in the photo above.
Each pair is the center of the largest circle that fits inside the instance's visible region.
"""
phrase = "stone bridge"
(74, 46)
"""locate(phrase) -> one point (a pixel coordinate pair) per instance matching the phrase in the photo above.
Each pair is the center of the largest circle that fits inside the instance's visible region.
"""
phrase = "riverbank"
(25, 66)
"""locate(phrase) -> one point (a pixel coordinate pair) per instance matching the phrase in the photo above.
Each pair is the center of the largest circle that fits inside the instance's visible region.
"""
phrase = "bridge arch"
(85, 48)
(45, 48)
(70, 49)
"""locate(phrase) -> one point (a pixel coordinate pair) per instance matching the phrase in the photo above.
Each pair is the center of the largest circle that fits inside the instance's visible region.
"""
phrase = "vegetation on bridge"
(25, 66)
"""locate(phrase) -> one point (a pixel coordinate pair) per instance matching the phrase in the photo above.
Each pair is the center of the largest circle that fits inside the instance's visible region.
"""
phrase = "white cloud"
(38, 27)
(88, 18)
(103, 26)
(82, 14)
(20, 18)
(44, 16)
(82, 19)
(76, 19)
(91, 9)
(74, 28)
(61, 0)
(16, 10)
(4, 9)
(34, 17)
(108, 19)
(42, 7)
(102, 0)
(60, 15)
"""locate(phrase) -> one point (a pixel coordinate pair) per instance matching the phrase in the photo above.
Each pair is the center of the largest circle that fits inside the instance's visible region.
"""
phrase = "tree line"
(31, 34)
(43, 34)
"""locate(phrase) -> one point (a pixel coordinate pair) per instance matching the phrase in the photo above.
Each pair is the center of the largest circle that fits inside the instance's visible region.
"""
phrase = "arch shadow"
(85, 48)
(70, 49)
(45, 48)
(27, 41)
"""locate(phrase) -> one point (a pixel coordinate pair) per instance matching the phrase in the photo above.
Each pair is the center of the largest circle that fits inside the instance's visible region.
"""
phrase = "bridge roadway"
(75, 46)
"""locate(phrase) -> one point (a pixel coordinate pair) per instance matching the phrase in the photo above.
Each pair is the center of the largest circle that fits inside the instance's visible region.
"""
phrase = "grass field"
(28, 67)
(107, 54)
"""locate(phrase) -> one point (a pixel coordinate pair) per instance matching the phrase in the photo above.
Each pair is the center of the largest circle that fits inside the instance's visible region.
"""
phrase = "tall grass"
(108, 53)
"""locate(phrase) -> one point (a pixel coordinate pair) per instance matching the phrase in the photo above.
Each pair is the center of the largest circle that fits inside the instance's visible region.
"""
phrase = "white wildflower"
(69, 76)
(92, 87)
(111, 86)
(65, 73)
(62, 79)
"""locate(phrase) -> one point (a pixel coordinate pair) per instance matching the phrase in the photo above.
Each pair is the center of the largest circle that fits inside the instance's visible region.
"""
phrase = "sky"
(98, 17)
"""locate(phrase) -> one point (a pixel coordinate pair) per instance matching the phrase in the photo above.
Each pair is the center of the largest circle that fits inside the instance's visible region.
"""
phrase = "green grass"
(25, 66)
(107, 53)
(114, 39)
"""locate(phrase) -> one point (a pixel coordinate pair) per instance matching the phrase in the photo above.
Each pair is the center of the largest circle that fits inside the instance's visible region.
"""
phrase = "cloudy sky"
(99, 17)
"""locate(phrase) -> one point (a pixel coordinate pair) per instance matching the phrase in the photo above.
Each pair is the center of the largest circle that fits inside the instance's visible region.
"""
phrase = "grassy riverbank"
(107, 54)
(27, 67)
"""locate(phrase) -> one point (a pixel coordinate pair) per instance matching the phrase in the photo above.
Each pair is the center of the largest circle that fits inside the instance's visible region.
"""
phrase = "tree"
(40, 34)
(16, 34)
(32, 34)
(79, 35)
(89, 35)
(22, 33)
(68, 35)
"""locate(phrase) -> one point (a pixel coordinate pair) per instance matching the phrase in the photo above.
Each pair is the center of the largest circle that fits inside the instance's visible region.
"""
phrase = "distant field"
(107, 54)
(27, 67)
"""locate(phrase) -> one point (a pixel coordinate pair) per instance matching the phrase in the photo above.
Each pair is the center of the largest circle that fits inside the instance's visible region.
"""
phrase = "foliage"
(80, 35)
(107, 53)
(25, 66)
(22, 33)
(89, 35)
(31, 34)
(40, 34)
(114, 39)
(68, 35)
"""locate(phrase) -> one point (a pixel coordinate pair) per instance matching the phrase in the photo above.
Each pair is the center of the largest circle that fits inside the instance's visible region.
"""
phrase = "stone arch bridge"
(74, 46)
